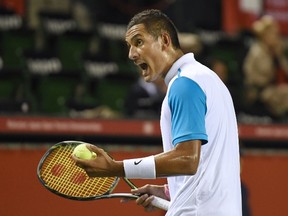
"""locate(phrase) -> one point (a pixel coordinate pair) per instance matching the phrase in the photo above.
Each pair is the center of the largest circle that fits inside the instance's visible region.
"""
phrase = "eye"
(139, 42)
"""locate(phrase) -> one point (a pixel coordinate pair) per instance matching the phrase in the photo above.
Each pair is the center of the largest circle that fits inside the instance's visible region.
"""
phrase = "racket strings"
(60, 174)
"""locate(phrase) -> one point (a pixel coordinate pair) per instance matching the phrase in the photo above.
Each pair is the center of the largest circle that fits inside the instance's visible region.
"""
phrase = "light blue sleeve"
(187, 103)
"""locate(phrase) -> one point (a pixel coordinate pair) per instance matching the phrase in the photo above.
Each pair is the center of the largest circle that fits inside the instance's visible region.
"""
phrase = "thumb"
(135, 191)
(140, 190)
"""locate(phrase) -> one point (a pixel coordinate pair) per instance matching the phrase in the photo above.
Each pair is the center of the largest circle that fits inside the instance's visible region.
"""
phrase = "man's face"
(146, 52)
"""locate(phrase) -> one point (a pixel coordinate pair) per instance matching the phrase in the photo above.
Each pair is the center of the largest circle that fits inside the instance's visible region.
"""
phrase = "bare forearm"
(180, 161)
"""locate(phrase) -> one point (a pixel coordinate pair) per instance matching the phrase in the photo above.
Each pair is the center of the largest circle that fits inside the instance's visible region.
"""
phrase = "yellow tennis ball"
(82, 152)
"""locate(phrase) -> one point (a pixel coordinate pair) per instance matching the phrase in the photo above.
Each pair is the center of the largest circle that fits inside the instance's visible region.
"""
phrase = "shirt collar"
(189, 57)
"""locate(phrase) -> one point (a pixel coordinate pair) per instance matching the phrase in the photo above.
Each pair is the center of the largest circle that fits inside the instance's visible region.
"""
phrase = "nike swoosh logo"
(137, 162)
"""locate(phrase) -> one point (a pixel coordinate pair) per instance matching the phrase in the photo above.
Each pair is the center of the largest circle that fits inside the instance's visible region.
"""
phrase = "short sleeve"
(187, 103)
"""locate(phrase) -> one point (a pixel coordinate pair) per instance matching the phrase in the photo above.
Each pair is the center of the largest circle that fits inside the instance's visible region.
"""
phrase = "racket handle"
(160, 203)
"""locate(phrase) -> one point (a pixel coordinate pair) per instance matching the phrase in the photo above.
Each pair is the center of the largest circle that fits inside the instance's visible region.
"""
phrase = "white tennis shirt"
(198, 106)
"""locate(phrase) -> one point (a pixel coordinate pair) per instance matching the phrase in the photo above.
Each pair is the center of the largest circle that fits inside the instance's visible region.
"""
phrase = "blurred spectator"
(266, 71)
(220, 68)
(144, 99)
(80, 99)
(83, 105)
(191, 42)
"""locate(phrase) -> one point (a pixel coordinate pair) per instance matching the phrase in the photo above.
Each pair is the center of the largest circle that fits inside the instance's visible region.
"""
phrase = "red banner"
(120, 127)
(70, 126)
(279, 10)
(240, 14)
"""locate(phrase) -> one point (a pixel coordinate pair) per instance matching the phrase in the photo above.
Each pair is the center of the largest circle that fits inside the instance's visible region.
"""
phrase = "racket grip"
(160, 203)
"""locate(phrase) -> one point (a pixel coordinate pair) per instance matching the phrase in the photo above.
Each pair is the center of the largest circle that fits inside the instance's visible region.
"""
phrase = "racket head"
(58, 173)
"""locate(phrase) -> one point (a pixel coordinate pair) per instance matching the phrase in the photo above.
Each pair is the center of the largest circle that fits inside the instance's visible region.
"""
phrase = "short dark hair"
(155, 23)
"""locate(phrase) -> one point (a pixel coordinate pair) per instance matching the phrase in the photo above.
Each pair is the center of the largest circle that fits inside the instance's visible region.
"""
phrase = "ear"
(165, 40)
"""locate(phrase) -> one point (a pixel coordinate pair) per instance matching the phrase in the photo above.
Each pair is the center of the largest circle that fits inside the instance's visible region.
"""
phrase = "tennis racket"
(58, 173)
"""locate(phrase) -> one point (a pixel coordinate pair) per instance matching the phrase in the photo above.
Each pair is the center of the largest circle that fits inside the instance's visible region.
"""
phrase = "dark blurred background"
(65, 74)
(69, 58)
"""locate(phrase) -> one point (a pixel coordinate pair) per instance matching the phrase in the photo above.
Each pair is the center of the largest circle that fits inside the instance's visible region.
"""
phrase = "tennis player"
(198, 126)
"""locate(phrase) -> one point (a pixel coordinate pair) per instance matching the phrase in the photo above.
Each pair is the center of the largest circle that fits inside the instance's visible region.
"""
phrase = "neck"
(171, 58)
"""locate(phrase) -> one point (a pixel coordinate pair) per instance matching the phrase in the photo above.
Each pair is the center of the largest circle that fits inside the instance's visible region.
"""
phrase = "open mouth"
(143, 66)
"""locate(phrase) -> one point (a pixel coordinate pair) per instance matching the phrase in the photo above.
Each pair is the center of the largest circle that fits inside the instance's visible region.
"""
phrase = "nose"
(132, 53)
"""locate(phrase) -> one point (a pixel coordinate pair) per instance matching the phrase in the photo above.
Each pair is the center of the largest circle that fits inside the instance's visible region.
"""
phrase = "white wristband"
(142, 168)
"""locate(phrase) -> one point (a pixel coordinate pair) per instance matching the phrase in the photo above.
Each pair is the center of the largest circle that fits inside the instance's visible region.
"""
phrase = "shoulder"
(185, 91)
(184, 85)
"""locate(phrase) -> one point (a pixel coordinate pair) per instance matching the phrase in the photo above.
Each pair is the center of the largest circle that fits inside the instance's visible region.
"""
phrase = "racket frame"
(158, 202)
(102, 196)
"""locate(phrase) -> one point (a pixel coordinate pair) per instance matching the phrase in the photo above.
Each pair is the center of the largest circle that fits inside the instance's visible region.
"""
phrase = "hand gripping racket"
(59, 174)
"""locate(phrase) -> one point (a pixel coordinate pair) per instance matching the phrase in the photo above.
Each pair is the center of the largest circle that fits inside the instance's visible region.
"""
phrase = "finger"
(135, 191)
(82, 163)
(146, 202)
(94, 148)
(141, 190)
(141, 199)
(91, 148)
